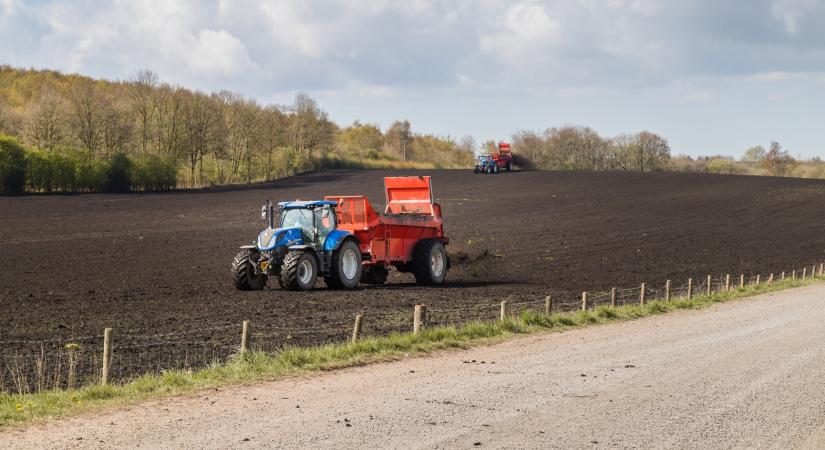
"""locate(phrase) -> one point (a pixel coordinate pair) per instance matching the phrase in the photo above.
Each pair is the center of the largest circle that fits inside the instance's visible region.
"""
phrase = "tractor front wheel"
(509, 166)
(244, 274)
(299, 271)
(345, 270)
(430, 262)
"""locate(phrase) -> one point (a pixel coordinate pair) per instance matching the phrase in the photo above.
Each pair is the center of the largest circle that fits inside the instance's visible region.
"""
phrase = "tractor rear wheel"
(374, 275)
(488, 170)
(509, 166)
(430, 262)
(345, 270)
(243, 271)
(495, 168)
(299, 271)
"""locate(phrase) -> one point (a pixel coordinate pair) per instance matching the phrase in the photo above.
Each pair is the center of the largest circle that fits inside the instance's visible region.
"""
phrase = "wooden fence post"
(793, 274)
(770, 278)
(245, 336)
(503, 309)
(757, 279)
(548, 305)
(356, 330)
(727, 283)
(419, 318)
(804, 273)
(690, 288)
(667, 290)
(613, 297)
(642, 295)
(710, 284)
(813, 271)
(107, 355)
(584, 301)
(782, 276)
(821, 268)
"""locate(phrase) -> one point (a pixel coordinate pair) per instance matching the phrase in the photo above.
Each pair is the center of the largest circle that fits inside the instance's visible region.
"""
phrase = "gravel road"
(748, 373)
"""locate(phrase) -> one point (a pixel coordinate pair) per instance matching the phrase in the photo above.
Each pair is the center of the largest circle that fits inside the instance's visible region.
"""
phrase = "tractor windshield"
(297, 218)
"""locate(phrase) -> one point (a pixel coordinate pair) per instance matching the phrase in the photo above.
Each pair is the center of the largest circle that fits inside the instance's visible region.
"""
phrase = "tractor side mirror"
(263, 212)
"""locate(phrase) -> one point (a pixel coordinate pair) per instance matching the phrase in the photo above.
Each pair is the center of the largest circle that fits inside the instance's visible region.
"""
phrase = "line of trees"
(207, 138)
(582, 148)
(774, 161)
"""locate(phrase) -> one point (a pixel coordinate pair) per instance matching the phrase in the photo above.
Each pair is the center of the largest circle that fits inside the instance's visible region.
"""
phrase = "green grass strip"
(258, 366)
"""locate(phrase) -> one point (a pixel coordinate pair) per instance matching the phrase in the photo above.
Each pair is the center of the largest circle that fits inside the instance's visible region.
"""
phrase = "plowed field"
(155, 267)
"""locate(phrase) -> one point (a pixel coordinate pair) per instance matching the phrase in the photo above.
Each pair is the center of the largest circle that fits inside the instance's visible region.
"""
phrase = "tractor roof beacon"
(343, 240)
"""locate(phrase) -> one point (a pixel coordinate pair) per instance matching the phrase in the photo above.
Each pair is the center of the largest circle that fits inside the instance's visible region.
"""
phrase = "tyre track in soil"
(71, 265)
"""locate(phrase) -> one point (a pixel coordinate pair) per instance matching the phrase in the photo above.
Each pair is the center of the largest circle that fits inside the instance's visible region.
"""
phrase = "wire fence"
(28, 366)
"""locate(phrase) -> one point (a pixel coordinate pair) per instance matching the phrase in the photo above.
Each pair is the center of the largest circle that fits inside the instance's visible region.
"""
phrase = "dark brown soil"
(155, 267)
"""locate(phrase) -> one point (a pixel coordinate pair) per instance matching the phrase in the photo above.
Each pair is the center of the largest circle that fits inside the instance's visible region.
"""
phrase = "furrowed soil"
(155, 267)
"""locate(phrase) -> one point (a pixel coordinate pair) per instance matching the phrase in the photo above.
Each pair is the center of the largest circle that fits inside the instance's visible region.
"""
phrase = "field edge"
(27, 409)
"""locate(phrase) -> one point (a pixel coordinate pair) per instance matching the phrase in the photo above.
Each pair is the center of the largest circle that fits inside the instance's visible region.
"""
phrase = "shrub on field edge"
(119, 174)
(153, 173)
(12, 166)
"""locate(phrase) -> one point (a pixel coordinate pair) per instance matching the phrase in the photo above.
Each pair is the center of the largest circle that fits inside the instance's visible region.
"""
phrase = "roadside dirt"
(154, 267)
(743, 374)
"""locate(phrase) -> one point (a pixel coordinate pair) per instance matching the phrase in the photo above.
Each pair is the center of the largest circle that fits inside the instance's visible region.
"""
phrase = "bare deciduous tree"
(85, 119)
(143, 86)
(44, 122)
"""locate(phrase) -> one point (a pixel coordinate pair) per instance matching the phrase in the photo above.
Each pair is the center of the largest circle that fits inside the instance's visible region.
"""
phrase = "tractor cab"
(315, 220)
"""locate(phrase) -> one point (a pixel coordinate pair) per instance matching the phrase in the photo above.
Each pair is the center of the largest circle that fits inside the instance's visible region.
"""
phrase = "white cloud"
(791, 12)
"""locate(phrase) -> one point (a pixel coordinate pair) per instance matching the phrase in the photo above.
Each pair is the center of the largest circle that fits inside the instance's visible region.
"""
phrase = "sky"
(711, 76)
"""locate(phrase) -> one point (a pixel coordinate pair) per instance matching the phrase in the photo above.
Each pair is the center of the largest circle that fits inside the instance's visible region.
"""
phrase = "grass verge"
(255, 366)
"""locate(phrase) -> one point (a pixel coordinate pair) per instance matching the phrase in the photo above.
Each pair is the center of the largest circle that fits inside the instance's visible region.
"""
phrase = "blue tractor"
(305, 244)
(486, 164)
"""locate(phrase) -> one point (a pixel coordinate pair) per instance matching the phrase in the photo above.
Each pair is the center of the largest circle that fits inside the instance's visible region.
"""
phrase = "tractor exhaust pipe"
(269, 215)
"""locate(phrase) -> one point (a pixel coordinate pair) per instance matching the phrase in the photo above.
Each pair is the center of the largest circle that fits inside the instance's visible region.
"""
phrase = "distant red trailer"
(409, 235)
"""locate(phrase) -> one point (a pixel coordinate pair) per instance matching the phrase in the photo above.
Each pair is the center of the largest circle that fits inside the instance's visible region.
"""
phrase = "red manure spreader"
(345, 241)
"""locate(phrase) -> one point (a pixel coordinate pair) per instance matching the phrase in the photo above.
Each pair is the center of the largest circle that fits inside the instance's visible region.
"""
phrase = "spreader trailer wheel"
(244, 275)
(430, 262)
(299, 271)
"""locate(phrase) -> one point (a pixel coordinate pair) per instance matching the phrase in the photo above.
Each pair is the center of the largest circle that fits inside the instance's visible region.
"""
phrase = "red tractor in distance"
(495, 162)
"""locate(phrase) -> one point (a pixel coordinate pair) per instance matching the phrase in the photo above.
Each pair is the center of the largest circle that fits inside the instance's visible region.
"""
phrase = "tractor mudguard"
(334, 240)
(321, 258)
(248, 247)
(272, 238)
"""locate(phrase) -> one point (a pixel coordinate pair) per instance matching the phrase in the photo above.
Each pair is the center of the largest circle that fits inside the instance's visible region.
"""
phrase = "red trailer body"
(504, 157)
(409, 216)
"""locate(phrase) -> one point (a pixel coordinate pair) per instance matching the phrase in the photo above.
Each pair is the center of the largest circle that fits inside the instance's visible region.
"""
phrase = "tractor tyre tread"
(289, 271)
(334, 279)
(243, 273)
